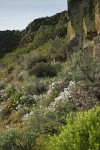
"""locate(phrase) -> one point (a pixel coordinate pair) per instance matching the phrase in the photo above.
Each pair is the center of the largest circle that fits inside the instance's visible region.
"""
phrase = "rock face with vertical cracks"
(84, 25)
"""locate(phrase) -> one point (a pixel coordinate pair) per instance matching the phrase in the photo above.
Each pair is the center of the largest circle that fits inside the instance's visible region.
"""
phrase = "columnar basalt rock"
(97, 46)
(89, 18)
(84, 22)
(97, 17)
(97, 38)
(75, 11)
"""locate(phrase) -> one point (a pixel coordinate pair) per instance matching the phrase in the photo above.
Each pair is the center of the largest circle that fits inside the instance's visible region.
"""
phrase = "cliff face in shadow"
(84, 25)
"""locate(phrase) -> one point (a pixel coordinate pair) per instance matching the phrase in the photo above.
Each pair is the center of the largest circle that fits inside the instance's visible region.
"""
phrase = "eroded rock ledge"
(84, 25)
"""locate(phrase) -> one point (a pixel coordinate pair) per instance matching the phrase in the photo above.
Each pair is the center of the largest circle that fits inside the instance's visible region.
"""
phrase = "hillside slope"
(45, 95)
(10, 40)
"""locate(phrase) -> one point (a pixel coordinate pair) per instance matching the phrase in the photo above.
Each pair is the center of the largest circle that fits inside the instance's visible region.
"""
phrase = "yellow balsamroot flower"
(23, 87)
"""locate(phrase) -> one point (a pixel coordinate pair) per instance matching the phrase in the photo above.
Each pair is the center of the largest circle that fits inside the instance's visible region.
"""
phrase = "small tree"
(58, 49)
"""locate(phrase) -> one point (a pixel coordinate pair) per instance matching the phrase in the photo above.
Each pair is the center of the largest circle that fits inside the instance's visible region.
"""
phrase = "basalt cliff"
(84, 26)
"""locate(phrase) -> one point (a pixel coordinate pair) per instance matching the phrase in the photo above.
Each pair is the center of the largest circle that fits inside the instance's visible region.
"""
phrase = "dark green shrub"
(11, 104)
(10, 69)
(25, 40)
(61, 30)
(43, 35)
(13, 140)
(81, 68)
(28, 139)
(44, 70)
(40, 58)
(31, 61)
(35, 88)
(9, 140)
(58, 49)
(85, 67)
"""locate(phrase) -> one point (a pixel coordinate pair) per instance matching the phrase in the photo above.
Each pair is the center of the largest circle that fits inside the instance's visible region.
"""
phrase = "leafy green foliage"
(82, 130)
(86, 67)
(8, 140)
(58, 49)
(58, 19)
(82, 68)
(46, 33)
(39, 89)
(14, 140)
(35, 88)
(31, 61)
(45, 70)
(10, 40)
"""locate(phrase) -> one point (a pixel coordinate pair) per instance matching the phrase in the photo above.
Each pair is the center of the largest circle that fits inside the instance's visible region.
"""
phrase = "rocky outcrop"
(84, 22)
(97, 45)
(34, 26)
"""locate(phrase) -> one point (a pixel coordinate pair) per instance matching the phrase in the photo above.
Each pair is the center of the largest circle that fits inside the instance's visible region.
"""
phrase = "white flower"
(53, 86)
(65, 95)
(23, 97)
(27, 116)
(31, 113)
(72, 83)
(1, 108)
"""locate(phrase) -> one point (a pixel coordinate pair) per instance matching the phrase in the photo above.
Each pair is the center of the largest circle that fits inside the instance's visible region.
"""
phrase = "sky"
(17, 14)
